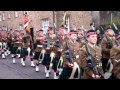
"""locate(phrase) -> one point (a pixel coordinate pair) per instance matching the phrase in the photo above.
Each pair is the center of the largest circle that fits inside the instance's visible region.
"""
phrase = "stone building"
(42, 19)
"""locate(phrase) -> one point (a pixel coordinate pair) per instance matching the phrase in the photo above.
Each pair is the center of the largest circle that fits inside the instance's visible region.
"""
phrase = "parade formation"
(78, 54)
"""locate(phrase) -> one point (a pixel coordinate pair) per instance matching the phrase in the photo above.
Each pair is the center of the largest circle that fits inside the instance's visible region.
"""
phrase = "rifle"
(48, 40)
(90, 59)
(118, 33)
(71, 56)
(58, 43)
(110, 44)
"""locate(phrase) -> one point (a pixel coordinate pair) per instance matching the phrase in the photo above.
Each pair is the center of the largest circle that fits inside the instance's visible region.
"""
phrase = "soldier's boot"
(14, 59)
(23, 63)
(21, 60)
(47, 74)
(5, 52)
(3, 55)
(48, 68)
(56, 74)
(32, 63)
(18, 55)
(12, 55)
(55, 77)
(45, 69)
(37, 67)
(60, 70)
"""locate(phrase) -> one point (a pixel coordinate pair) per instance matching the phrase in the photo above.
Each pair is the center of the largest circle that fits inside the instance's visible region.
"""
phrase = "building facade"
(43, 19)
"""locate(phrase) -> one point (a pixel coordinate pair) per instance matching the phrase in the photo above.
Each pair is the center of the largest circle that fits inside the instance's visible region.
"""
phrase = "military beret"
(90, 32)
(40, 30)
(73, 32)
(50, 28)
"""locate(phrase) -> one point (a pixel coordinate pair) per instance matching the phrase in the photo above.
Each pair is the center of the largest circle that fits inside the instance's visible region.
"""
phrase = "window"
(9, 15)
(45, 25)
(25, 12)
(67, 23)
(0, 18)
(5, 27)
(21, 26)
(3, 16)
(16, 13)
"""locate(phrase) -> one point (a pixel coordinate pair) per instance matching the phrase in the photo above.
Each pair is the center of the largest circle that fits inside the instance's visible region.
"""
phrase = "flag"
(26, 22)
(64, 17)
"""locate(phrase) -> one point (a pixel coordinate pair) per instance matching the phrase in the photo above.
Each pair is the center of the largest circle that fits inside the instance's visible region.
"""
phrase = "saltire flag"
(26, 22)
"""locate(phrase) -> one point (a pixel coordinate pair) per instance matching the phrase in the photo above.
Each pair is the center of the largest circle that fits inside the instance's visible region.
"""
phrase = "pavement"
(8, 70)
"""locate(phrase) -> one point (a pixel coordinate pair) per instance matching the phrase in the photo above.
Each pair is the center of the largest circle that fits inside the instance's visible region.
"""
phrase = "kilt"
(35, 45)
(14, 50)
(65, 74)
(18, 52)
(55, 63)
(47, 59)
(11, 46)
(24, 52)
(37, 54)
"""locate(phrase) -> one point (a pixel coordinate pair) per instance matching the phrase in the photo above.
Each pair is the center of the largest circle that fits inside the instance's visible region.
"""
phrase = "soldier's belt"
(117, 60)
(99, 65)
(17, 42)
(39, 46)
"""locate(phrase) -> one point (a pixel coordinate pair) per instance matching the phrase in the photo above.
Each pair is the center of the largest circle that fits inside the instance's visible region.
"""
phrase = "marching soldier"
(70, 56)
(115, 59)
(90, 49)
(0, 41)
(107, 42)
(9, 40)
(4, 45)
(50, 39)
(39, 46)
(58, 59)
(15, 45)
(27, 49)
